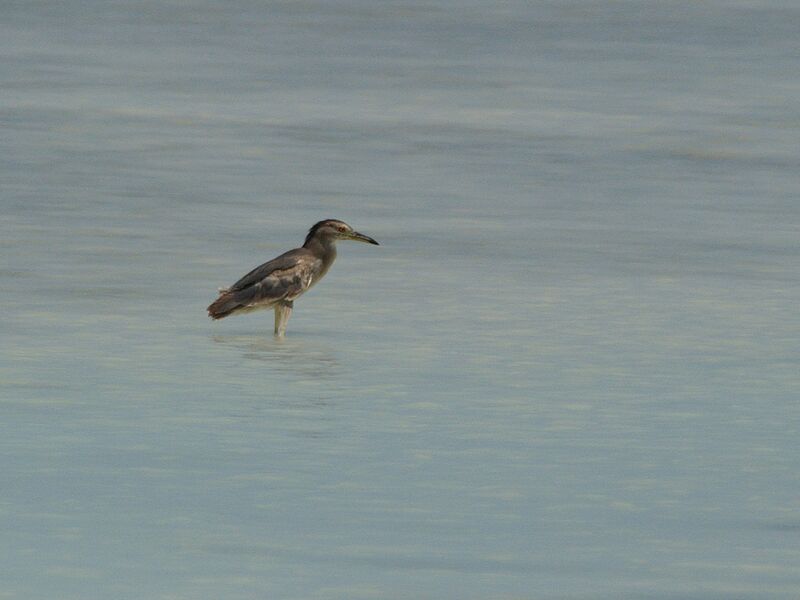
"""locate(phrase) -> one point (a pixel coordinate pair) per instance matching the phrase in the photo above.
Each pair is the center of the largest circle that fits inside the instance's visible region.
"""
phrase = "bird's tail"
(224, 305)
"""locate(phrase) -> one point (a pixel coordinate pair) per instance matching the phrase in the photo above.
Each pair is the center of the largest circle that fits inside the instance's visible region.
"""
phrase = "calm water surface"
(568, 372)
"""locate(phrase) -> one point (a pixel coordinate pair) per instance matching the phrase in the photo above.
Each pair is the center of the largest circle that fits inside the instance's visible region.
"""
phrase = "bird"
(279, 282)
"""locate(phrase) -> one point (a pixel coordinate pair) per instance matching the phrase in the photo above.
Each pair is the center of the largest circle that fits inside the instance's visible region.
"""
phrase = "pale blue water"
(570, 371)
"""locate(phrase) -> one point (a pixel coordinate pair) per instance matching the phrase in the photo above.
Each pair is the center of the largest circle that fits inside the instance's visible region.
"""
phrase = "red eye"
(342, 229)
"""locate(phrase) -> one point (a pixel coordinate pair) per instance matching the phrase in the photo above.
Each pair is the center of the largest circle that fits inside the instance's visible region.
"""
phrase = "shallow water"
(569, 371)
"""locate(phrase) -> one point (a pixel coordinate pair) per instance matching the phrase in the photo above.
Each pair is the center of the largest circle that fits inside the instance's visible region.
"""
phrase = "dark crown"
(315, 227)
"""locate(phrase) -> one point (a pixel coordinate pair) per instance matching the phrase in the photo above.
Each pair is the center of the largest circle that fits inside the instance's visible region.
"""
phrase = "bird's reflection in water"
(289, 356)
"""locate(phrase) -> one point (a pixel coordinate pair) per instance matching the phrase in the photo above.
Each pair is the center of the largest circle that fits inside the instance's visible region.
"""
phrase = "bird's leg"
(283, 310)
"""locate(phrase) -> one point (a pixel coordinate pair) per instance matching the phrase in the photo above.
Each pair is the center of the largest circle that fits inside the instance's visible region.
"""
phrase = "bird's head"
(333, 229)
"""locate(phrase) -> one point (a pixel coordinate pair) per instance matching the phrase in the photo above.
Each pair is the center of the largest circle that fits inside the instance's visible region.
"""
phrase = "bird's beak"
(360, 237)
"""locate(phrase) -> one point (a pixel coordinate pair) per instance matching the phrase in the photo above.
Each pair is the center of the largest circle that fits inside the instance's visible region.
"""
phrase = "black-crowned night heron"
(277, 283)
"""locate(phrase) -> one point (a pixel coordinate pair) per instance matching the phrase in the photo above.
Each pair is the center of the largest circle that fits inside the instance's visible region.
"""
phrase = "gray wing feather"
(281, 263)
(283, 278)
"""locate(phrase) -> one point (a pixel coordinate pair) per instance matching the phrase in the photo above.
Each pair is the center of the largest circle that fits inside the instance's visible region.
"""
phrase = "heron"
(279, 282)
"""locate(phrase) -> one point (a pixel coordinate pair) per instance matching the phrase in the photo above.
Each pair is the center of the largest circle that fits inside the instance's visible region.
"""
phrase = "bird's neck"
(324, 248)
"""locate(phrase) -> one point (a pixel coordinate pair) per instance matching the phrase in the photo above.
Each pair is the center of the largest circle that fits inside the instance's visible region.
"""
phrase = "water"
(568, 372)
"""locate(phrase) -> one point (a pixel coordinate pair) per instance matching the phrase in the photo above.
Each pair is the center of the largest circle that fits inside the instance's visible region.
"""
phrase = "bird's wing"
(283, 278)
(281, 263)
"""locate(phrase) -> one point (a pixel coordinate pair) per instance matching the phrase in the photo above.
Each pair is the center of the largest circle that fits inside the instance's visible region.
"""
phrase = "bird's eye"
(341, 228)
